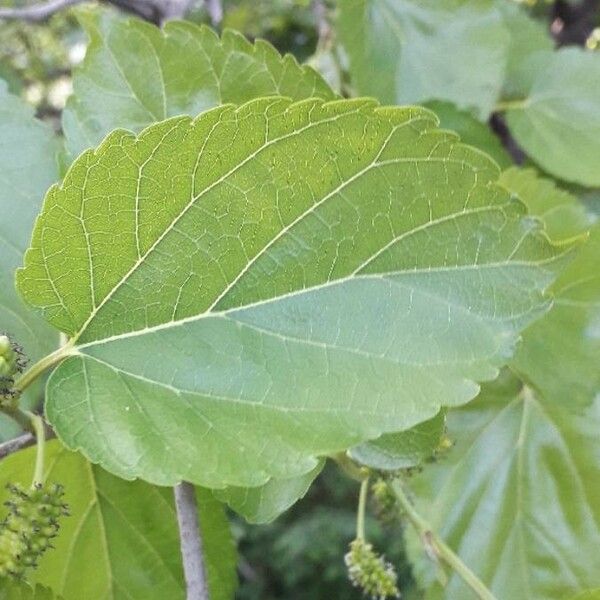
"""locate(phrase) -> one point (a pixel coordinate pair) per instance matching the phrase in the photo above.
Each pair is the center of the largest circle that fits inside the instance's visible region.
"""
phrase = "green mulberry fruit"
(370, 572)
(12, 361)
(29, 528)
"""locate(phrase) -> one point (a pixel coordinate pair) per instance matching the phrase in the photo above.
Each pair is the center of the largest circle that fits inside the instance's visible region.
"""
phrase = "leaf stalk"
(433, 540)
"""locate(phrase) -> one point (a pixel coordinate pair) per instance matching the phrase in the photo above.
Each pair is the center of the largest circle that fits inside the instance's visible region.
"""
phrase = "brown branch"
(37, 12)
(214, 8)
(155, 11)
(19, 443)
(190, 537)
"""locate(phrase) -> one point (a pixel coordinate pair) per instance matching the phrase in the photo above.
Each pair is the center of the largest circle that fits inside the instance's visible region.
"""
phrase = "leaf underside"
(262, 285)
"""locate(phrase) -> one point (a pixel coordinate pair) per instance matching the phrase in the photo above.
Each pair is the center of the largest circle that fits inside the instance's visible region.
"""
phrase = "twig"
(191, 542)
(215, 11)
(323, 27)
(434, 542)
(37, 12)
(19, 443)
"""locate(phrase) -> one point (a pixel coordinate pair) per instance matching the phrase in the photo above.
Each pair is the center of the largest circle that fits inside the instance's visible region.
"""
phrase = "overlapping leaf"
(413, 51)
(121, 540)
(265, 503)
(557, 121)
(135, 74)
(518, 497)
(260, 286)
(403, 450)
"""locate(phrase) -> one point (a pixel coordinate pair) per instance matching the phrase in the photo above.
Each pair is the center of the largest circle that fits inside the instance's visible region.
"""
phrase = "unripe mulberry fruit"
(29, 528)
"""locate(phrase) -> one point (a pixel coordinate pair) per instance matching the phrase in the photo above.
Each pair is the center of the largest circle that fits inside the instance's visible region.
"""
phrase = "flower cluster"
(31, 524)
(370, 572)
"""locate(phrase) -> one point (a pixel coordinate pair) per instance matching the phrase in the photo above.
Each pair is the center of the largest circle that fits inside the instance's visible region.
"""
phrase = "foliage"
(252, 274)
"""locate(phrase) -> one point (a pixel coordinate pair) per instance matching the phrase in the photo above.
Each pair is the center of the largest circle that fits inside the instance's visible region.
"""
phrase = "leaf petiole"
(443, 551)
(37, 424)
(41, 366)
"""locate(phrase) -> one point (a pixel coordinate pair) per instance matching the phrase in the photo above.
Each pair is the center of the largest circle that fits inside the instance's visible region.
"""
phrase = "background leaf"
(23, 591)
(557, 121)
(135, 74)
(517, 497)
(273, 283)
(412, 51)
(121, 540)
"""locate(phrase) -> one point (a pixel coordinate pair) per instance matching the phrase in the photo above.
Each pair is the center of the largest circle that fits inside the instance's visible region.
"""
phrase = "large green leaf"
(121, 541)
(259, 286)
(557, 121)
(517, 497)
(412, 51)
(135, 74)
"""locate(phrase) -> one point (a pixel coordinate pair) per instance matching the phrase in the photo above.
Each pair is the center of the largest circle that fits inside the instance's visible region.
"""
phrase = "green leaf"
(528, 37)
(588, 595)
(564, 216)
(121, 540)
(560, 353)
(520, 486)
(135, 74)
(412, 51)
(471, 131)
(403, 450)
(23, 591)
(517, 497)
(28, 157)
(265, 503)
(557, 121)
(266, 284)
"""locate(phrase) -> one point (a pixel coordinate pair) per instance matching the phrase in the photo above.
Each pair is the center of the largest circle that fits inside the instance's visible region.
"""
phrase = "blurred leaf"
(588, 595)
(412, 51)
(471, 131)
(265, 503)
(403, 450)
(121, 540)
(23, 591)
(557, 121)
(135, 74)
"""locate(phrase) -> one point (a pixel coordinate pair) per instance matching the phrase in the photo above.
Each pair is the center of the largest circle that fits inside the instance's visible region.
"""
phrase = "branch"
(37, 12)
(433, 541)
(214, 8)
(155, 11)
(23, 441)
(191, 542)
